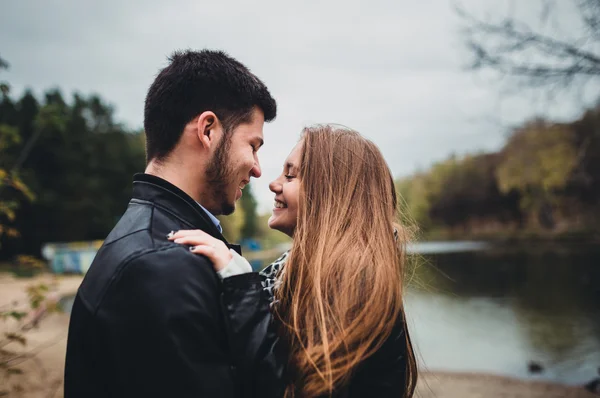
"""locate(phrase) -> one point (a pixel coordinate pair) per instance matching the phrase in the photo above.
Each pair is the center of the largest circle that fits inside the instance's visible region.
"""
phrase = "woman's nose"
(275, 186)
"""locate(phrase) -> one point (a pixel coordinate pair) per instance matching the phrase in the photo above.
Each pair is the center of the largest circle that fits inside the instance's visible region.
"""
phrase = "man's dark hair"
(196, 82)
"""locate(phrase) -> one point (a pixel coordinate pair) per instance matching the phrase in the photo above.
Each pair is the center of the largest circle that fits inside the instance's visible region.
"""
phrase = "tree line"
(66, 168)
(545, 179)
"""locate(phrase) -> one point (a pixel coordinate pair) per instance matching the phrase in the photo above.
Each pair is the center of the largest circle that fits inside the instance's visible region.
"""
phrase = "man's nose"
(256, 172)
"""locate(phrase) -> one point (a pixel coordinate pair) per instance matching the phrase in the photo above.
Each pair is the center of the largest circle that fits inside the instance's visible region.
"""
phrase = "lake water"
(476, 307)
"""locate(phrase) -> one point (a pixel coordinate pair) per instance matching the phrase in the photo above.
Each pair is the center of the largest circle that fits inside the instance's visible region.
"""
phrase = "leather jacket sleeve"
(254, 336)
(168, 335)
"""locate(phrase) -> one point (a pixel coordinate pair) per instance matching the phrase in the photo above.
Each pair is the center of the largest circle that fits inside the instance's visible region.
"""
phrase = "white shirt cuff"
(237, 266)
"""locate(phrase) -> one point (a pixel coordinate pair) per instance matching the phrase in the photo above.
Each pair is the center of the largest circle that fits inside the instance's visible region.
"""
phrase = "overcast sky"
(390, 69)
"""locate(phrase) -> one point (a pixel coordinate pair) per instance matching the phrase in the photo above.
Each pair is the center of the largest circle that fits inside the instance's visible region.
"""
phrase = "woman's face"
(287, 189)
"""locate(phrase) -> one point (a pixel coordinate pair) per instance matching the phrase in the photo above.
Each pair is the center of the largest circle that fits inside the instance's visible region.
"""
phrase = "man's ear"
(208, 129)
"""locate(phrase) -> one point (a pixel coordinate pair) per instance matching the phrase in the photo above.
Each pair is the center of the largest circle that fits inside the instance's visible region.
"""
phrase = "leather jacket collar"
(161, 193)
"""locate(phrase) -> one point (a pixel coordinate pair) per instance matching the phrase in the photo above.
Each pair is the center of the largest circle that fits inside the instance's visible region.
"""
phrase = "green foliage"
(77, 160)
(452, 190)
(539, 157)
(539, 162)
(248, 205)
(4, 87)
(12, 189)
(544, 172)
(415, 198)
(244, 223)
(9, 137)
(232, 224)
(17, 315)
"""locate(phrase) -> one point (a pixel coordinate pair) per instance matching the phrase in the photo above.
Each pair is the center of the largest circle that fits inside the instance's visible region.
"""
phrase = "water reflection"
(496, 309)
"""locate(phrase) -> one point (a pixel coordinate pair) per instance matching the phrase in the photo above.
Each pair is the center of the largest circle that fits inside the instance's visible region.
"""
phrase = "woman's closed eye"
(289, 177)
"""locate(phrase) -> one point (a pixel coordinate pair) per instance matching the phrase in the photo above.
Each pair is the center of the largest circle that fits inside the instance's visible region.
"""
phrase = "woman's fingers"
(218, 254)
(202, 243)
(187, 232)
(194, 240)
(204, 250)
(195, 237)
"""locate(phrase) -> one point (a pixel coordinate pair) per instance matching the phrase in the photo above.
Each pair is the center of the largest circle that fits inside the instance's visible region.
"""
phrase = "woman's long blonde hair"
(341, 293)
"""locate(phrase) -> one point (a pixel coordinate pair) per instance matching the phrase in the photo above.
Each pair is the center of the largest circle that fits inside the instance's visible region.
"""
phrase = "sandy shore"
(43, 376)
(473, 385)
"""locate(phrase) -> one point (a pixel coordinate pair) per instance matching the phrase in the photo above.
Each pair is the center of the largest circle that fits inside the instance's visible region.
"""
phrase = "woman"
(337, 294)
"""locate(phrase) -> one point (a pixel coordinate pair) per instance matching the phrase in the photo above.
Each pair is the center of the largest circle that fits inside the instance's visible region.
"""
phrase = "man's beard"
(219, 175)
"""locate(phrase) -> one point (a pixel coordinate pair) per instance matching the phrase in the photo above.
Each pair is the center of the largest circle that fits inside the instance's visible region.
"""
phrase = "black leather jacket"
(148, 319)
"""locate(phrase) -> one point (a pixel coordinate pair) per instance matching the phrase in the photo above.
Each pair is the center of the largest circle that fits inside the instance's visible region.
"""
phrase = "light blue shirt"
(214, 219)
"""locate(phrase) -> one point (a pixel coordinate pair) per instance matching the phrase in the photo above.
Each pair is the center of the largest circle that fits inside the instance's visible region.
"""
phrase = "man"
(147, 320)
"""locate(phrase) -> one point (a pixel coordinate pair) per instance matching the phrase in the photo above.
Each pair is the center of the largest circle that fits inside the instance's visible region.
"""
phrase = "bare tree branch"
(31, 354)
(536, 59)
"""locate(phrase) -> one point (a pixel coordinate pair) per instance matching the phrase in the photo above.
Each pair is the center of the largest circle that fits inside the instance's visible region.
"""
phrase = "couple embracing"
(170, 308)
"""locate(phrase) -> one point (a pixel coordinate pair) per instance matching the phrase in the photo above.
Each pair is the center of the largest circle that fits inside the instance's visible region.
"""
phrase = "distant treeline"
(78, 163)
(75, 159)
(545, 181)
